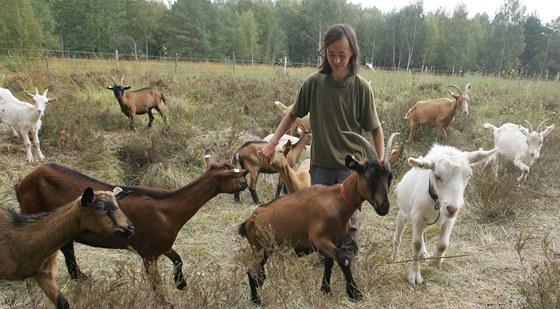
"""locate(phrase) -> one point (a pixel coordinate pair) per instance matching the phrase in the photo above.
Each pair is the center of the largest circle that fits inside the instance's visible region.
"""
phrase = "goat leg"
(326, 283)
(343, 259)
(178, 277)
(71, 263)
(256, 280)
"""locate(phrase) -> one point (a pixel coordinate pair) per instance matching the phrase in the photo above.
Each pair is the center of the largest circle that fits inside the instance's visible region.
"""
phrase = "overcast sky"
(546, 9)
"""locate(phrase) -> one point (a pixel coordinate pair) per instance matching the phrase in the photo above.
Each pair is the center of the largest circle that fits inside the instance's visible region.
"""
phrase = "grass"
(508, 236)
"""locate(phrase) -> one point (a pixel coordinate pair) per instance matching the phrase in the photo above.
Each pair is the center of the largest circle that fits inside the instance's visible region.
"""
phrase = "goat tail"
(489, 126)
(243, 230)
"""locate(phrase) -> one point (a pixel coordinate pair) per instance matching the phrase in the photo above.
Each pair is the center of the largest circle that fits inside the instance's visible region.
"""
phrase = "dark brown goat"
(248, 157)
(138, 102)
(316, 218)
(157, 214)
(438, 113)
(30, 242)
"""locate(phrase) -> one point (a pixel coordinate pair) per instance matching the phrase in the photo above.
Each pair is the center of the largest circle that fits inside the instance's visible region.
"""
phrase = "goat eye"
(437, 177)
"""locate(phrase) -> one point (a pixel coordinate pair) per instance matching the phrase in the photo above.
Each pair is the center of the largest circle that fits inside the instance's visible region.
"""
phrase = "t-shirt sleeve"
(369, 119)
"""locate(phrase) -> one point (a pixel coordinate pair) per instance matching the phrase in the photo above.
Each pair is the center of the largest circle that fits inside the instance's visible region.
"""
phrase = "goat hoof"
(356, 296)
(256, 301)
(182, 285)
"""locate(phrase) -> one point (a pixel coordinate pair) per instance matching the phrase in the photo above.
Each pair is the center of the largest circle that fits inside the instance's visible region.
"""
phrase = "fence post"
(117, 55)
(47, 60)
(176, 62)
(285, 63)
(233, 62)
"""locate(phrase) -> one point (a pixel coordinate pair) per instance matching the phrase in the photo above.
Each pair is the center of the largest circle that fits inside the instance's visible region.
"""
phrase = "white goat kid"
(432, 192)
(24, 117)
(518, 144)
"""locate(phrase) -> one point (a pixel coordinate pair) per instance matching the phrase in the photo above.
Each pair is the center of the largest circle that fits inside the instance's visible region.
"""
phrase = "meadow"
(506, 239)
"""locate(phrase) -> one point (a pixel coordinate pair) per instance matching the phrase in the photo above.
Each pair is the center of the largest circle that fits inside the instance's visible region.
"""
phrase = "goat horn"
(389, 147)
(114, 82)
(458, 90)
(368, 147)
(530, 126)
(540, 127)
(122, 78)
(467, 88)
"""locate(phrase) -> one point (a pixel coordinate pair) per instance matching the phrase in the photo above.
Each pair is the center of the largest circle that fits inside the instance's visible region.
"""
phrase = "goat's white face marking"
(465, 105)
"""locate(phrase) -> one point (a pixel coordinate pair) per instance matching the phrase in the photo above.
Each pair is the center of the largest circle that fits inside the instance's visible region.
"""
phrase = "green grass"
(210, 106)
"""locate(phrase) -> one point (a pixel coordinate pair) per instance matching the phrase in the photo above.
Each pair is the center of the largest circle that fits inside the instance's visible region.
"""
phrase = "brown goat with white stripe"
(438, 113)
(316, 218)
(138, 102)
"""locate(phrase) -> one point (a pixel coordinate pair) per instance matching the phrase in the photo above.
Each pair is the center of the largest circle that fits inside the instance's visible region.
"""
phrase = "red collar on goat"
(345, 198)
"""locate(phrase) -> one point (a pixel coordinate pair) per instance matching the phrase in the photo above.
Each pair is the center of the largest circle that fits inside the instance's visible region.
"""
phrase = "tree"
(507, 37)
(19, 29)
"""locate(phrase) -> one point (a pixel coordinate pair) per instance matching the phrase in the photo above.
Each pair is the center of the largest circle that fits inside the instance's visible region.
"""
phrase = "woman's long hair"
(335, 33)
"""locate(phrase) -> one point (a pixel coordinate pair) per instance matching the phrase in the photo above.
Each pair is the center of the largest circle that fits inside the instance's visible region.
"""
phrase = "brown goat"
(438, 113)
(247, 156)
(30, 242)
(299, 122)
(157, 214)
(316, 218)
(138, 102)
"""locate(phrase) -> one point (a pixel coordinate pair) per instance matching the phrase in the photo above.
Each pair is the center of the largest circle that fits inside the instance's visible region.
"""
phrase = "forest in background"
(510, 44)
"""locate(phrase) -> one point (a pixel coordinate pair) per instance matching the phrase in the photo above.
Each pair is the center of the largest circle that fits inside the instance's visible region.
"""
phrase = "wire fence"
(57, 60)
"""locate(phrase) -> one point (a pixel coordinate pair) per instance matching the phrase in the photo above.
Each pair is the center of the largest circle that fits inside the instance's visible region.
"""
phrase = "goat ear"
(122, 194)
(208, 157)
(421, 163)
(87, 197)
(52, 100)
(352, 164)
(479, 155)
(523, 130)
(126, 88)
(548, 130)
(395, 155)
(287, 147)
(110, 87)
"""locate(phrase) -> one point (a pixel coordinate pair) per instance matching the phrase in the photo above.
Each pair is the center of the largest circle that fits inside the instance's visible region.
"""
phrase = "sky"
(546, 9)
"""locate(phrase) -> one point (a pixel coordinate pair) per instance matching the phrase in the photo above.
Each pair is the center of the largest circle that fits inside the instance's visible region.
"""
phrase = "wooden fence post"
(233, 62)
(47, 59)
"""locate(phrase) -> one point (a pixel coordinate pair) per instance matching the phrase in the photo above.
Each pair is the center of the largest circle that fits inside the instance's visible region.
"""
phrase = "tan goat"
(438, 113)
(299, 121)
(293, 180)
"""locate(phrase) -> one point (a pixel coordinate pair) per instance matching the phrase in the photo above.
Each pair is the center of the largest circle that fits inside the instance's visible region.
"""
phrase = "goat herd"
(59, 205)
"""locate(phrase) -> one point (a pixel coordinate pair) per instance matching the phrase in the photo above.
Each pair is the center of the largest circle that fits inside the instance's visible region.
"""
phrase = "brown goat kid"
(316, 218)
(138, 102)
(247, 156)
(158, 215)
(438, 113)
(30, 242)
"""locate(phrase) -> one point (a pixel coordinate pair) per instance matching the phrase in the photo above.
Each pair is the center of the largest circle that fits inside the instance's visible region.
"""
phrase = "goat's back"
(51, 185)
(429, 109)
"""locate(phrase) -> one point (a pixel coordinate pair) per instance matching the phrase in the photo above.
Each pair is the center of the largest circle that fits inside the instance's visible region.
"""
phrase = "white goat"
(25, 117)
(432, 192)
(518, 144)
(438, 113)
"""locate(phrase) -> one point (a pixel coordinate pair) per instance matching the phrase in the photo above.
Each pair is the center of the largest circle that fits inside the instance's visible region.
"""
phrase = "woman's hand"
(267, 152)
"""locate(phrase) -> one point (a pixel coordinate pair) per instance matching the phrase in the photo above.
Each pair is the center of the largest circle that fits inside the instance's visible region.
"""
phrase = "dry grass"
(508, 236)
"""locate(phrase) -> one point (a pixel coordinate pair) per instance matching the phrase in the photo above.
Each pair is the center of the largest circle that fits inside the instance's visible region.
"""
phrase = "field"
(506, 239)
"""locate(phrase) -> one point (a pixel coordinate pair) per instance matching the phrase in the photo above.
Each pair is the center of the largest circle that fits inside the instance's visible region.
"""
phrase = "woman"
(337, 99)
